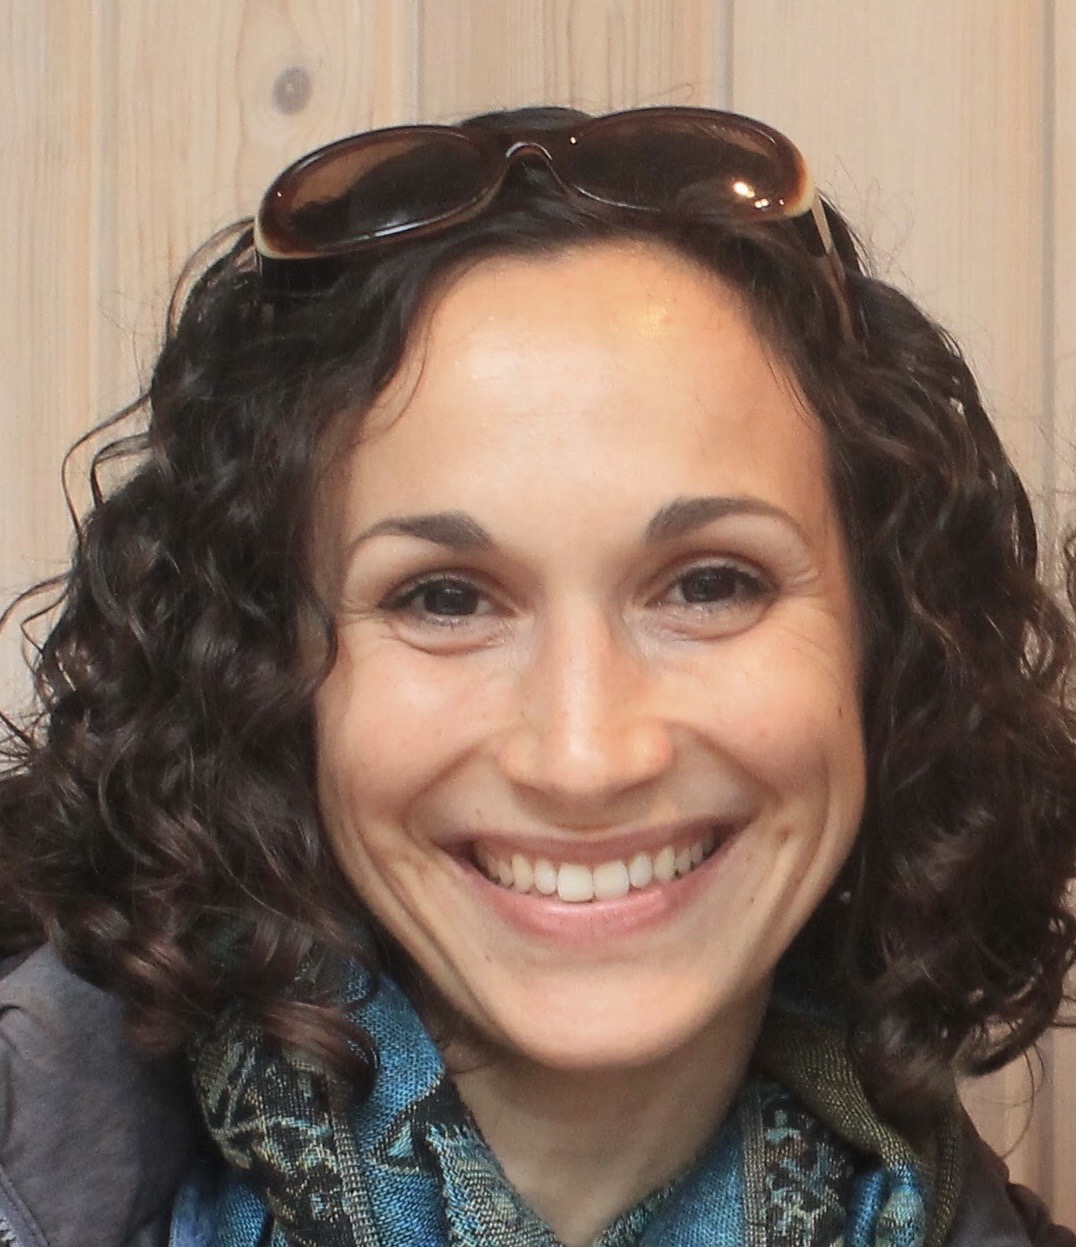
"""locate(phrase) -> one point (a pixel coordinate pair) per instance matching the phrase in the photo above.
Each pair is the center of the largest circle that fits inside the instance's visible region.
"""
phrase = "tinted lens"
(691, 164)
(373, 186)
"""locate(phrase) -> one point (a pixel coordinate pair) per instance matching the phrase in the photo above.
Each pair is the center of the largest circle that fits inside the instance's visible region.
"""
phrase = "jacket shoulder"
(993, 1212)
(91, 1135)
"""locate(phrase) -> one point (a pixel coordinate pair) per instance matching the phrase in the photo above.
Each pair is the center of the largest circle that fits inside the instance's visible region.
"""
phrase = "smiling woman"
(560, 720)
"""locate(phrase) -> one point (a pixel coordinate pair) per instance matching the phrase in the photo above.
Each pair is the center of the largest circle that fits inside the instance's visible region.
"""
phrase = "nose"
(586, 726)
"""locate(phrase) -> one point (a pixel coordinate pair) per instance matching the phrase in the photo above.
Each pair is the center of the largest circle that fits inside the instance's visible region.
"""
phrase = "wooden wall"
(132, 128)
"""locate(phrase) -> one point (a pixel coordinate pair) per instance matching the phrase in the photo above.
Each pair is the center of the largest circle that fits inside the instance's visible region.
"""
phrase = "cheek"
(388, 722)
(788, 710)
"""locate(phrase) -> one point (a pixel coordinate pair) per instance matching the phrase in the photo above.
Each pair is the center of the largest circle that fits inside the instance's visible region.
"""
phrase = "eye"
(718, 597)
(720, 584)
(440, 600)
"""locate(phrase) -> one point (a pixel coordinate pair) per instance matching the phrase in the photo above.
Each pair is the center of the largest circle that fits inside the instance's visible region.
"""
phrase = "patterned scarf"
(800, 1161)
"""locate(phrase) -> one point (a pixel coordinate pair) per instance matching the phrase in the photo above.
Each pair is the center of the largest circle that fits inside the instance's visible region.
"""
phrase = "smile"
(577, 883)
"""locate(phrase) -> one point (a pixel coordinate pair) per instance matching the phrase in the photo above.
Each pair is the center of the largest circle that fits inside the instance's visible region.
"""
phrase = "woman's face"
(591, 749)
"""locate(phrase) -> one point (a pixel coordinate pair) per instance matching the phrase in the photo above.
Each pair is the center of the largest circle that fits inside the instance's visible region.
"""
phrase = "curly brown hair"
(158, 817)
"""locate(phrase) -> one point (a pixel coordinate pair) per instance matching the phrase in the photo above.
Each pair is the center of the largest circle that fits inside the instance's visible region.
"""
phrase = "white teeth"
(665, 865)
(611, 881)
(641, 870)
(522, 873)
(545, 877)
(577, 884)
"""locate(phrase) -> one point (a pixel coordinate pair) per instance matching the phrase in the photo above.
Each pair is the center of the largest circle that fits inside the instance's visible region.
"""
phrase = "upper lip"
(591, 848)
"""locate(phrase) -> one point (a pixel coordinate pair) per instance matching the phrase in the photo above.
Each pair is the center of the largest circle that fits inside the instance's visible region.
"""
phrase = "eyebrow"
(459, 531)
(454, 529)
(685, 515)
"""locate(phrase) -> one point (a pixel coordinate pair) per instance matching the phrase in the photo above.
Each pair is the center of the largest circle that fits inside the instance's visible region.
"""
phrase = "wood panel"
(1061, 292)
(141, 126)
(1061, 303)
(598, 55)
(215, 99)
(48, 280)
(1061, 1143)
(925, 121)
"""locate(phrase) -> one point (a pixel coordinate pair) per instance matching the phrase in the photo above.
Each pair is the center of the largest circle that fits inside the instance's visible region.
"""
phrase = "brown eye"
(443, 597)
(720, 584)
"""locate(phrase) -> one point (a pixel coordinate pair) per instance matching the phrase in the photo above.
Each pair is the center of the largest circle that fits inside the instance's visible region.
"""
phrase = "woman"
(559, 718)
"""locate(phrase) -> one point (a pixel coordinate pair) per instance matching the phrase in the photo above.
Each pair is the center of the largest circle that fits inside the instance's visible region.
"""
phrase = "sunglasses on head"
(694, 164)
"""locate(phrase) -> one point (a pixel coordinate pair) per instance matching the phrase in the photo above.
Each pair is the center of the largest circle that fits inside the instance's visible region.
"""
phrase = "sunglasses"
(692, 164)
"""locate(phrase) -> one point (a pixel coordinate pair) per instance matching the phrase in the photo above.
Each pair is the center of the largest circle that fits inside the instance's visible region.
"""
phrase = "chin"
(645, 1029)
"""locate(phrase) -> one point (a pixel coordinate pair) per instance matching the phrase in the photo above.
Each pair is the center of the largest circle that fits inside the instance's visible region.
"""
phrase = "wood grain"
(141, 126)
(48, 275)
(1061, 290)
(216, 99)
(598, 55)
(1060, 298)
(925, 122)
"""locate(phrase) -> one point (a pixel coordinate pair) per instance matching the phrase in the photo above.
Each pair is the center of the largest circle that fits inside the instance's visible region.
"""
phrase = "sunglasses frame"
(279, 246)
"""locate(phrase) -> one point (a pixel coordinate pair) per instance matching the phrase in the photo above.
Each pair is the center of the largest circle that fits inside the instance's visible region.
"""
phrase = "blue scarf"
(801, 1160)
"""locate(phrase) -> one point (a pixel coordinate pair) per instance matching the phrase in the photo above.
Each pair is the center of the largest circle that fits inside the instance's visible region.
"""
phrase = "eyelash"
(751, 585)
(751, 588)
(406, 601)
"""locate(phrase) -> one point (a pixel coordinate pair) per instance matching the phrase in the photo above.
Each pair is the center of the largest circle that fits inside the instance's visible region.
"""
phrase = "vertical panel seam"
(1048, 222)
(729, 66)
(94, 223)
(101, 215)
(418, 24)
(1051, 509)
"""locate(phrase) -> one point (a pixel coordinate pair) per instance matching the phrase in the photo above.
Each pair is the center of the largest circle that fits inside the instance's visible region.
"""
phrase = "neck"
(582, 1146)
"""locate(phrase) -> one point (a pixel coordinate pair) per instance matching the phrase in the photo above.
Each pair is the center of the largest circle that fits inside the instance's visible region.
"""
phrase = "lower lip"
(588, 922)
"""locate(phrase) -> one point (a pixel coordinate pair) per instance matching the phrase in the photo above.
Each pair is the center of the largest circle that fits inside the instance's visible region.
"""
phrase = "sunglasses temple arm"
(814, 230)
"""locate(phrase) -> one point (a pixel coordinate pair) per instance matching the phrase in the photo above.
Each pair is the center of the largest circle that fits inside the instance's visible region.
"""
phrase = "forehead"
(595, 366)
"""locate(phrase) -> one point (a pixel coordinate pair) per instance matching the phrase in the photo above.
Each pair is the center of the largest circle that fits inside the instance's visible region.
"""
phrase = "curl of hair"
(159, 819)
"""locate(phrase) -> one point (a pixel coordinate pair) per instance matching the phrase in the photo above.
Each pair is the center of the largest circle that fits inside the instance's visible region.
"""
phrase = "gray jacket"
(93, 1140)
